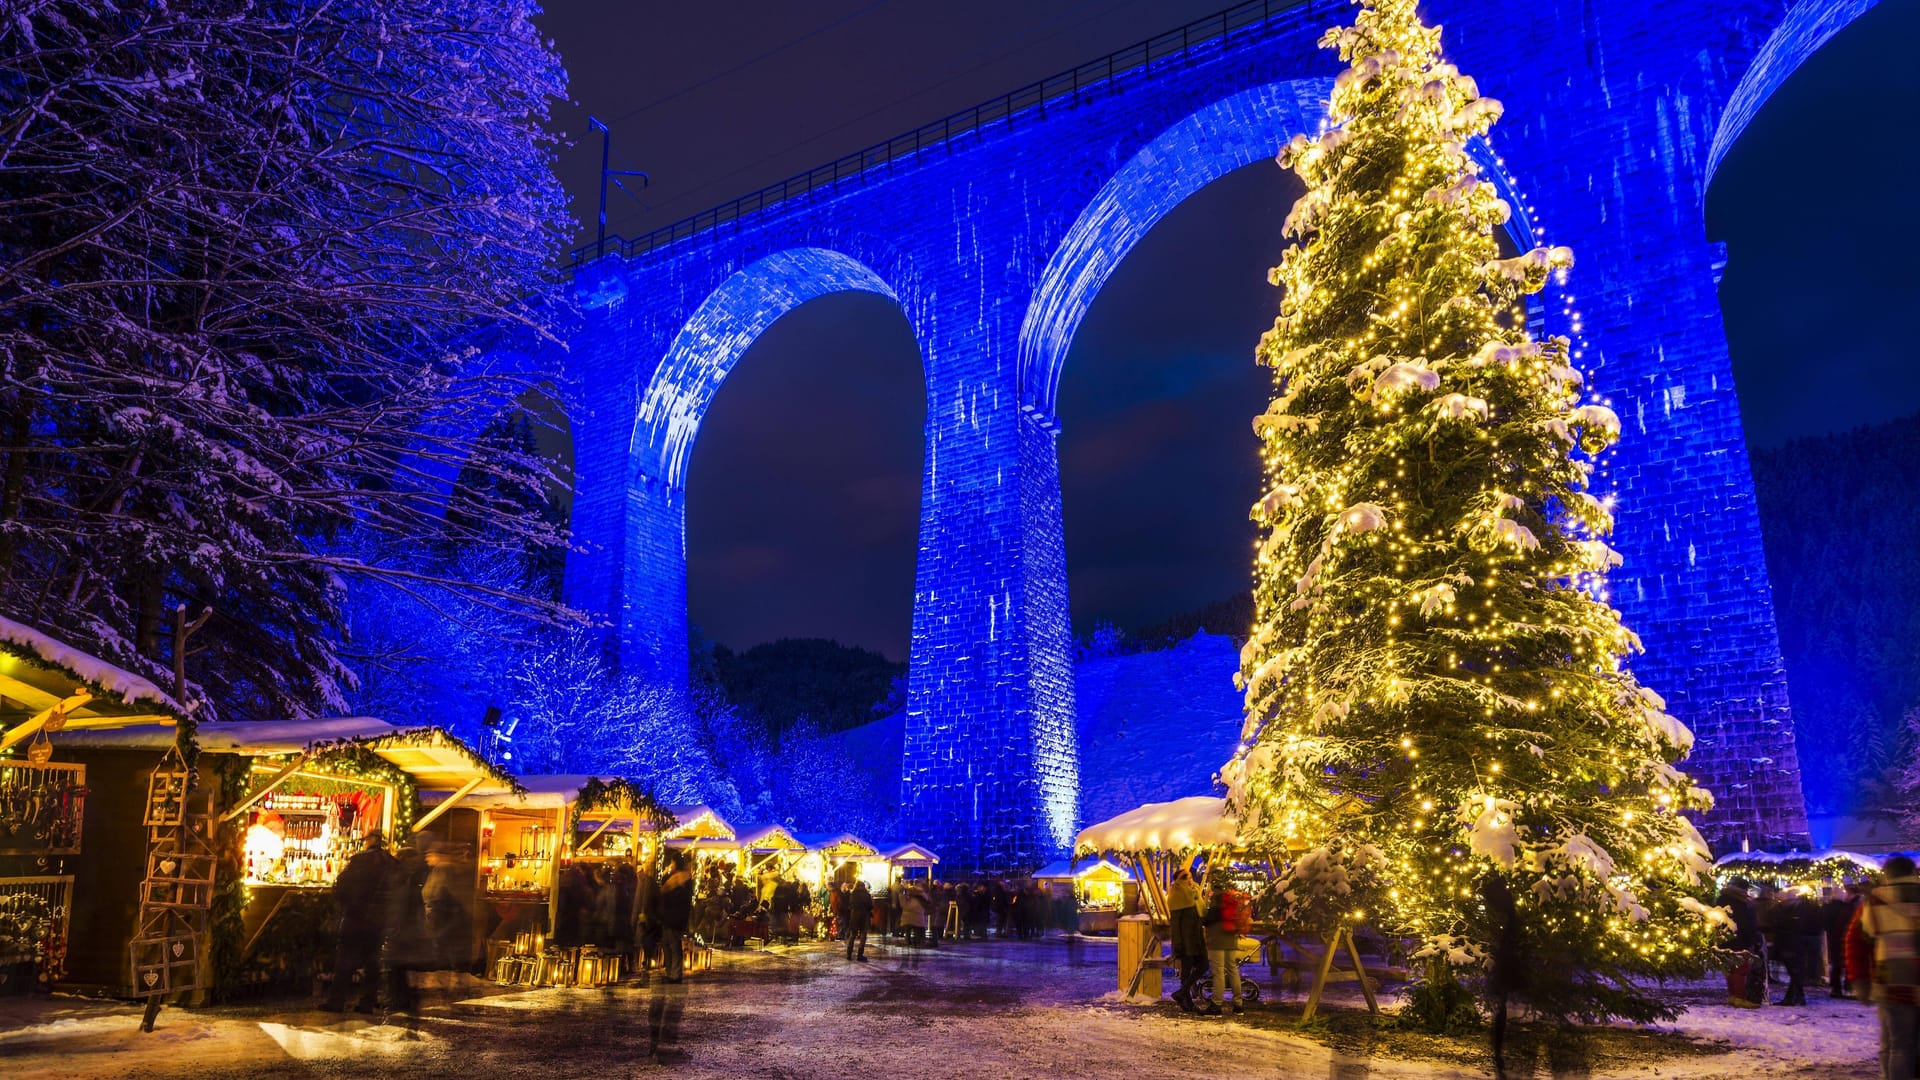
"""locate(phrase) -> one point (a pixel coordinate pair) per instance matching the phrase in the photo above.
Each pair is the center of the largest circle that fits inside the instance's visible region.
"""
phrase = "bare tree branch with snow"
(254, 260)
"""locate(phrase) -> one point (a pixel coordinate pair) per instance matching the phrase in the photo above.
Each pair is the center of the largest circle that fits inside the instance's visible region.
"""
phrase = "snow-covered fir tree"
(250, 259)
(1434, 674)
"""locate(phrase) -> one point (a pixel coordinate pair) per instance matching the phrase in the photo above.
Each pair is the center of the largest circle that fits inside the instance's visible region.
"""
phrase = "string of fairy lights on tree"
(1435, 685)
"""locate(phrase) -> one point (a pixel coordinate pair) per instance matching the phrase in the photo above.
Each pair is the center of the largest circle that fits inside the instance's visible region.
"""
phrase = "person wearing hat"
(360, 893)
(1188, 934)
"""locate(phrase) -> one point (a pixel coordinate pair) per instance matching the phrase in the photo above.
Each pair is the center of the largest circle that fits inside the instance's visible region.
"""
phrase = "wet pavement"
(995, 1009)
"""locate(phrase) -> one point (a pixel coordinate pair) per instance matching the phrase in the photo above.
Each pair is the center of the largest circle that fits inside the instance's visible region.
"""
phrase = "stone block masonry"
(993, 244)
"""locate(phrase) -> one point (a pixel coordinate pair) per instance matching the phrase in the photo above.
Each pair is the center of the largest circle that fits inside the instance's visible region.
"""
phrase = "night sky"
(805, 481)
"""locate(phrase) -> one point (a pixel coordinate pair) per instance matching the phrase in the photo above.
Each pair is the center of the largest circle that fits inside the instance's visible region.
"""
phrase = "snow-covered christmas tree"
(1434, 675)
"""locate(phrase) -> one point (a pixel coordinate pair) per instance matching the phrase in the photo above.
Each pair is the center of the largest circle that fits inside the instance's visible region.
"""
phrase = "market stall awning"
(838, 845)
(1180, 825)
(543, 791)
(1065, 870)
(770, 838)
(42, 678)
(908, 854)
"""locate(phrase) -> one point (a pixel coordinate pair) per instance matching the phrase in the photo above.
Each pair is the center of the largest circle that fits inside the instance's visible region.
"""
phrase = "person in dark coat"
(1188, 934)
(980, 915)
(858, 912)
(449, 924)
(410, 946)
(647, 911)
(361, 893)
(1506, 967)
(676, 912)
(1792, 920)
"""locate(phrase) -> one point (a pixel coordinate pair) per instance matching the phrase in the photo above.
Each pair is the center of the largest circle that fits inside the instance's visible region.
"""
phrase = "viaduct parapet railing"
(1252, 17)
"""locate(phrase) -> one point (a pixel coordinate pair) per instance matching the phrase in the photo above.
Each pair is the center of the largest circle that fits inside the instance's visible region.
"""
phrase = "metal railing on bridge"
(1004, 110)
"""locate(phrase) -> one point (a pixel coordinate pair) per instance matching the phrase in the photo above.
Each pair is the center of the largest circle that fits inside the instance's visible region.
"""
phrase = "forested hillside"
(1842, 526)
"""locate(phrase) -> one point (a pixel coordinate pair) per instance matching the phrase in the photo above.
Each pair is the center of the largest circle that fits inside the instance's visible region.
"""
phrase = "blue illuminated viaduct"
(994, 230)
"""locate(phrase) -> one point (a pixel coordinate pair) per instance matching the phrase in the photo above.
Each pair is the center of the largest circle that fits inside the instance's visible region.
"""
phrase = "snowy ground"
(995, 1010)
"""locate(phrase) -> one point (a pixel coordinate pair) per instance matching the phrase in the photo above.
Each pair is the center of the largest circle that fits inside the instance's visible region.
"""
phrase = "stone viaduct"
(994, 229)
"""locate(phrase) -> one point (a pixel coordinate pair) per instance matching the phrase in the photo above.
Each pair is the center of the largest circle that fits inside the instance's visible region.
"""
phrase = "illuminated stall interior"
(832, 856)
(1100, 885)
(770, 847)
(702, 833)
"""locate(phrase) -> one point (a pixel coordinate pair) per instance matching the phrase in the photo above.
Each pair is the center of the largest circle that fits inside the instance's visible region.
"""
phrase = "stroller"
(1247, 954)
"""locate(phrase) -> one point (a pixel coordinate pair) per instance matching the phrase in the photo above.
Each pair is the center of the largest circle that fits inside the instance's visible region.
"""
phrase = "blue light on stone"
(994, 245)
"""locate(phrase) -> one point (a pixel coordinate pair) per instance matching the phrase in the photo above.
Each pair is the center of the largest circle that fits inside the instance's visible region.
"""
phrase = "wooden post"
(1320, 978)
(562, 841)
(1359, 970)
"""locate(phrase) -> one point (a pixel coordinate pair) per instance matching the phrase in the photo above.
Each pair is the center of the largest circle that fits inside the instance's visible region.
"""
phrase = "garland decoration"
(615, 793)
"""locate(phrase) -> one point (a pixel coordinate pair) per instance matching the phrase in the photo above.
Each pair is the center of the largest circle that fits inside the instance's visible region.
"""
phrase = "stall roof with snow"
(41, 676)
(436, 760)
(698, 822)
(1784, 865)
(907, 854)
(770, 838)
(1199, 821)
(838, 845)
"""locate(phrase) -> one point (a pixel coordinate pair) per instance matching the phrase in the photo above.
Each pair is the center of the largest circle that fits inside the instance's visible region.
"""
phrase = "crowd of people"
(405, 912)
(402, 913)
(1790, 937)
(1861, 941)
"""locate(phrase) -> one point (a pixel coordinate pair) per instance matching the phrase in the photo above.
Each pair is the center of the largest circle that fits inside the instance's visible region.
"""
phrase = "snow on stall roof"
(1196, 821)
(262, 738)
(820, 841)
(86, 667)
(750, 837)
(906, 852)
(258, 737)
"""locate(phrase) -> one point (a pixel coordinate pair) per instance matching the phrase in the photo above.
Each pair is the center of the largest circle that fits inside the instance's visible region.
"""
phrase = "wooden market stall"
(1101, 890)
(770, 848)
(908, 861)
(702, 834)
(835, 857)
(546, 852)
(285, 805)
(1198, 833)
(47, 687)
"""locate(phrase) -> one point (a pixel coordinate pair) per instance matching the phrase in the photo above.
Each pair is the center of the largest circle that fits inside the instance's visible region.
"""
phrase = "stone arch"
(1235, 131)
(1808, 25)
(1231, 133)
(653, 635)
(714, 338)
